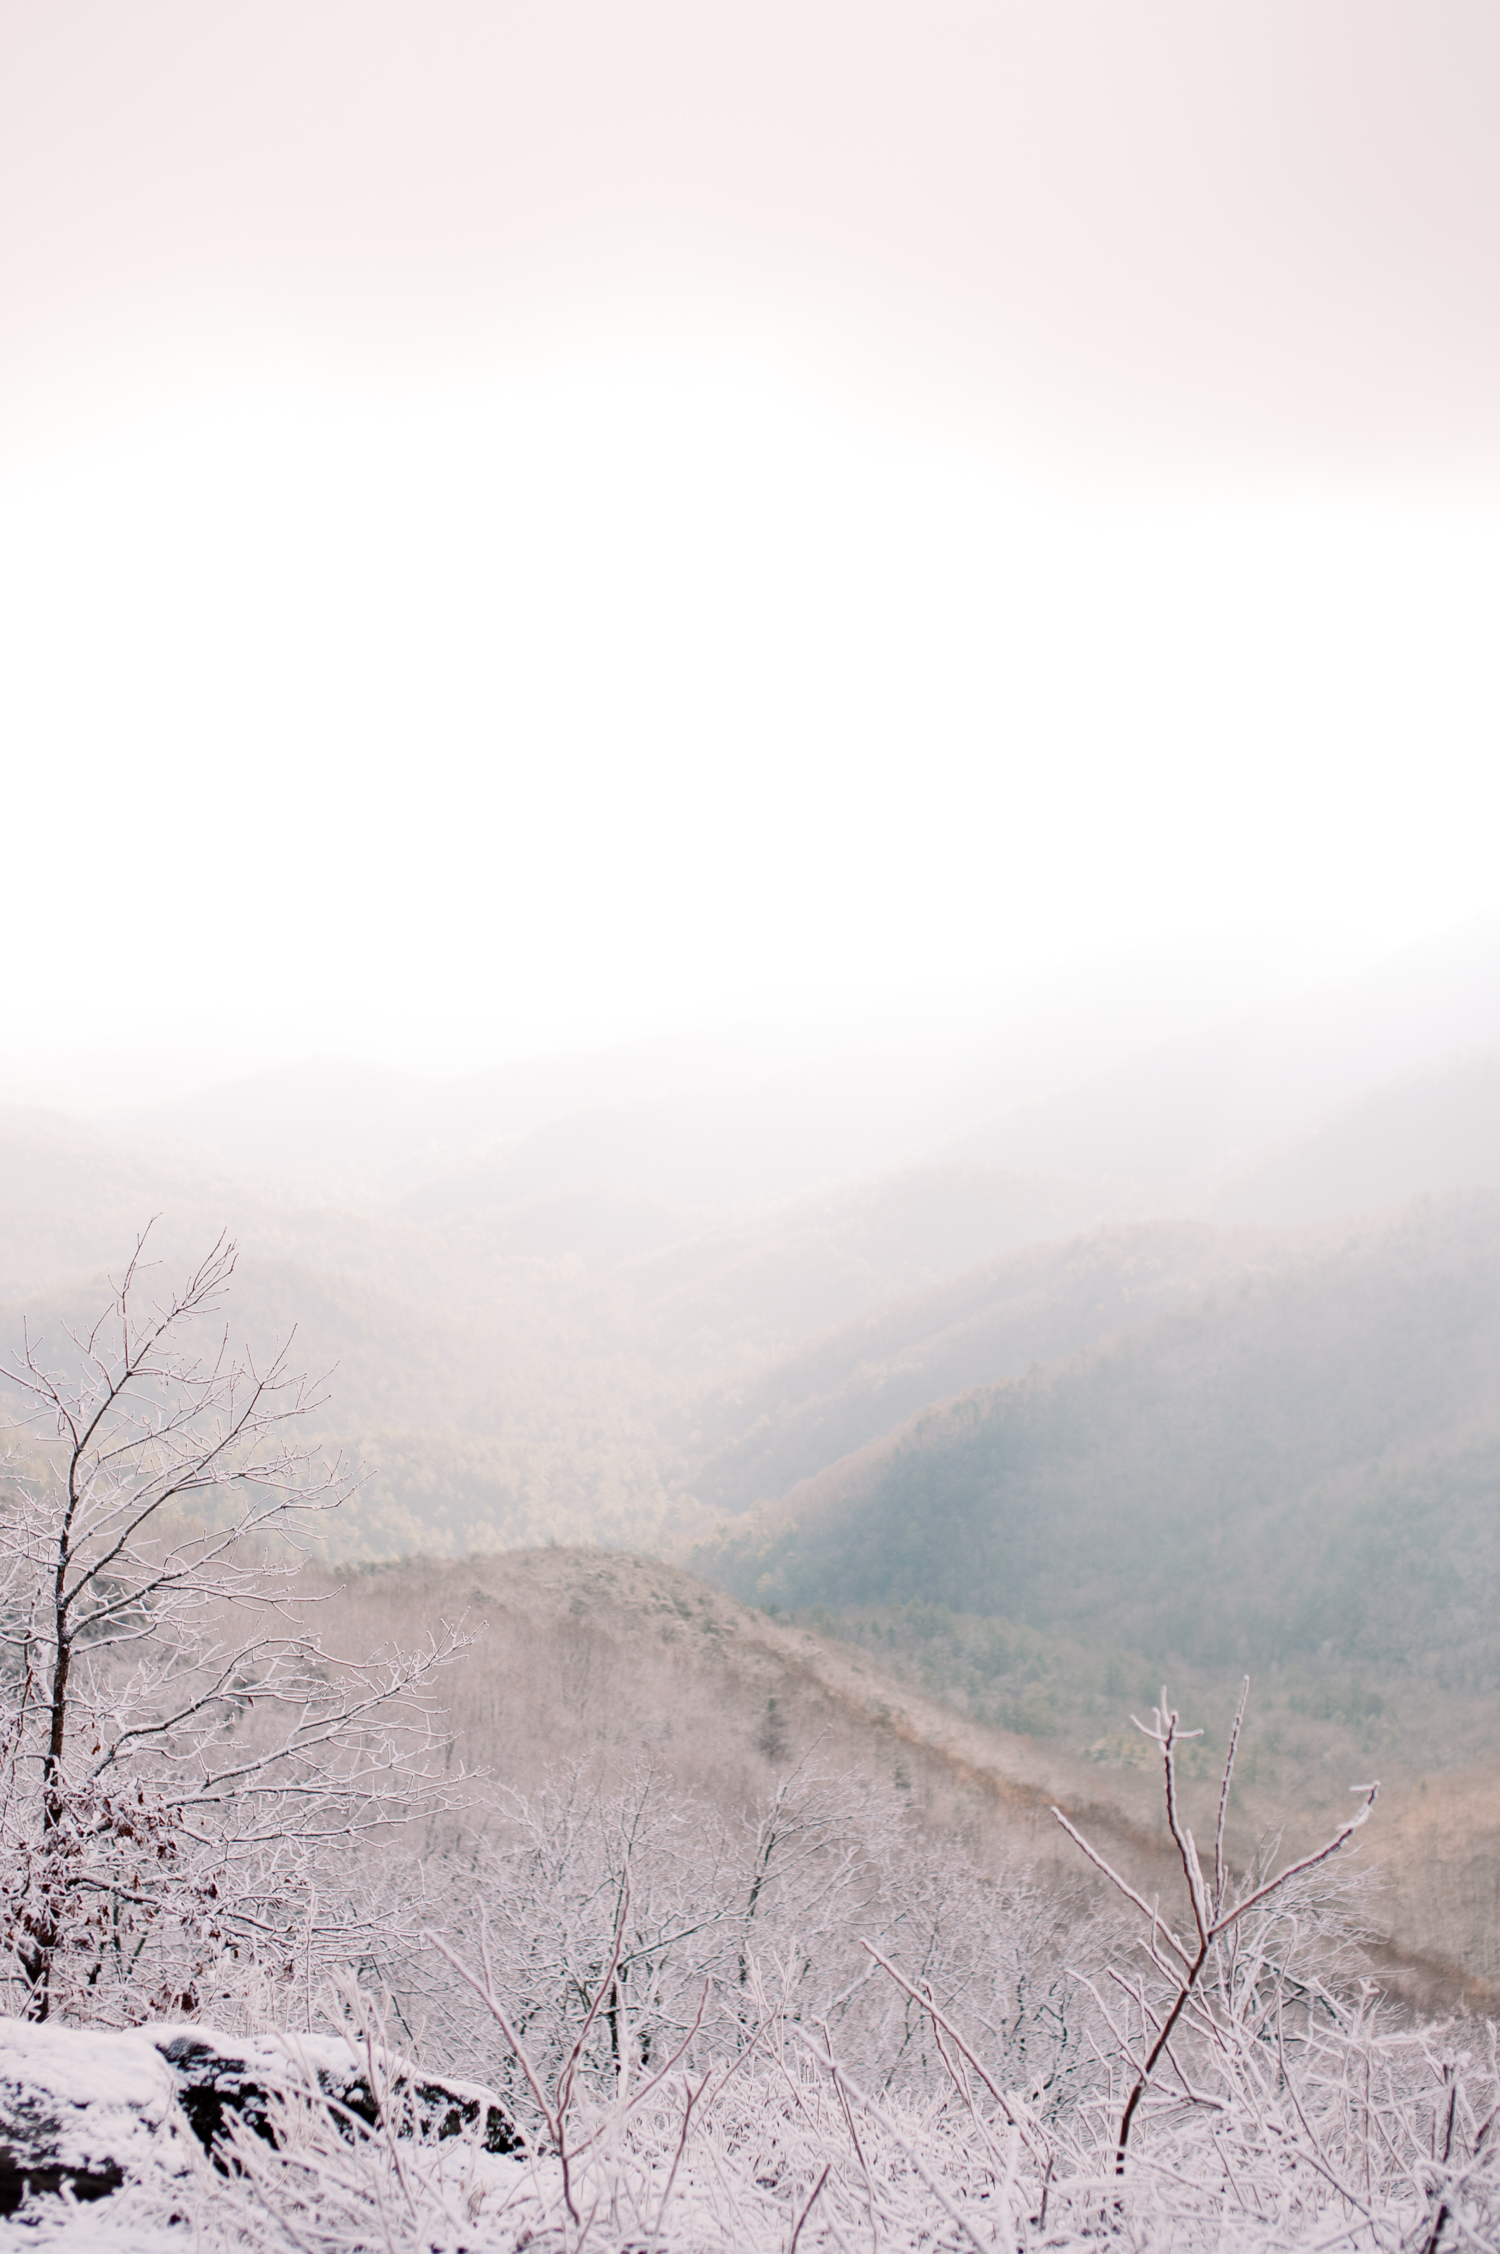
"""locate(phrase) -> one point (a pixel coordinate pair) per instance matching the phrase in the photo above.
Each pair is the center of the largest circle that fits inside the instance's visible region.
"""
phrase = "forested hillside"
(591, 1657)
(1300, 1460)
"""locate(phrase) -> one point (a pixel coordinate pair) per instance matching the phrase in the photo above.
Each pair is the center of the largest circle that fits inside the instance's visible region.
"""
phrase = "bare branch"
(1234, 1739)
(1146, 1909)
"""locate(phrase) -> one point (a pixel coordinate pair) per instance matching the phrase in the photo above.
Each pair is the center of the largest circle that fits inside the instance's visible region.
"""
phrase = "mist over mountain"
(628, 1293)
(1145, 1066)
(1439, 1129)
(1183, 1113)
(631, 1296)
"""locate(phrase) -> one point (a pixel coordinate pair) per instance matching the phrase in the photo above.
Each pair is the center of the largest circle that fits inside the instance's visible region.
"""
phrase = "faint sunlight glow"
(649, 685)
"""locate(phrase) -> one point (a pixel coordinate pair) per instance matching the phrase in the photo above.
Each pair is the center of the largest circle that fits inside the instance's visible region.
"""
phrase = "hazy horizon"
(526, 535)
(1107, 1004)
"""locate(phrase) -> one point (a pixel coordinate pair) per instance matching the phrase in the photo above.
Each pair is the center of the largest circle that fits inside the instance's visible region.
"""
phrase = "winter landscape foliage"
(813, 2027)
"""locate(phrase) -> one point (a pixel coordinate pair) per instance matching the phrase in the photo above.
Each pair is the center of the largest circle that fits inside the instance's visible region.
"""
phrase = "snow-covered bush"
(1371, 2139)
(811, 2036)
(787, 2083)
(722, 1927)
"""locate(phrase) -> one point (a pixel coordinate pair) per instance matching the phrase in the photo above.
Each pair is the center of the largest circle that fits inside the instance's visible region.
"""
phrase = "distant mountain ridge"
(1039, 1304)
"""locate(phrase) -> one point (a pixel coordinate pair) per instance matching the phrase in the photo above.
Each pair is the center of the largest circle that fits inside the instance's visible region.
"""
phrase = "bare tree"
(1218, 1909)
(182, 1762)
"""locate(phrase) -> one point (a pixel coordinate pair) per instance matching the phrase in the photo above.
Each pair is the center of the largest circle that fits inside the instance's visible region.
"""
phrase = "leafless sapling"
(181, 1758)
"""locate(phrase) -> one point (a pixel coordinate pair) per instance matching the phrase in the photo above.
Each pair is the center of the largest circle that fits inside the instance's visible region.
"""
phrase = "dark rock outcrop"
(82, 2113)
(221, 2078)
(85, 2111)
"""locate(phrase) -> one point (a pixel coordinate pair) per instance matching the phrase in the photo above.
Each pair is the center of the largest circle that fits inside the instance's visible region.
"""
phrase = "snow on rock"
(223, 2076)
(83, 2112)
(108, 2126)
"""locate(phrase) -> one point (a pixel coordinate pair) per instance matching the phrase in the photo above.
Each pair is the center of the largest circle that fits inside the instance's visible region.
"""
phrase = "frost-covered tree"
(184, 1766)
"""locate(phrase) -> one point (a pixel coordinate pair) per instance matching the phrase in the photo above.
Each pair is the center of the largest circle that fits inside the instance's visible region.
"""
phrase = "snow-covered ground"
(1377, 2144)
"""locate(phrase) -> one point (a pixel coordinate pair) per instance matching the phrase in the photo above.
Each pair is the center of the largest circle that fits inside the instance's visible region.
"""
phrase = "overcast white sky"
(521, 526)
